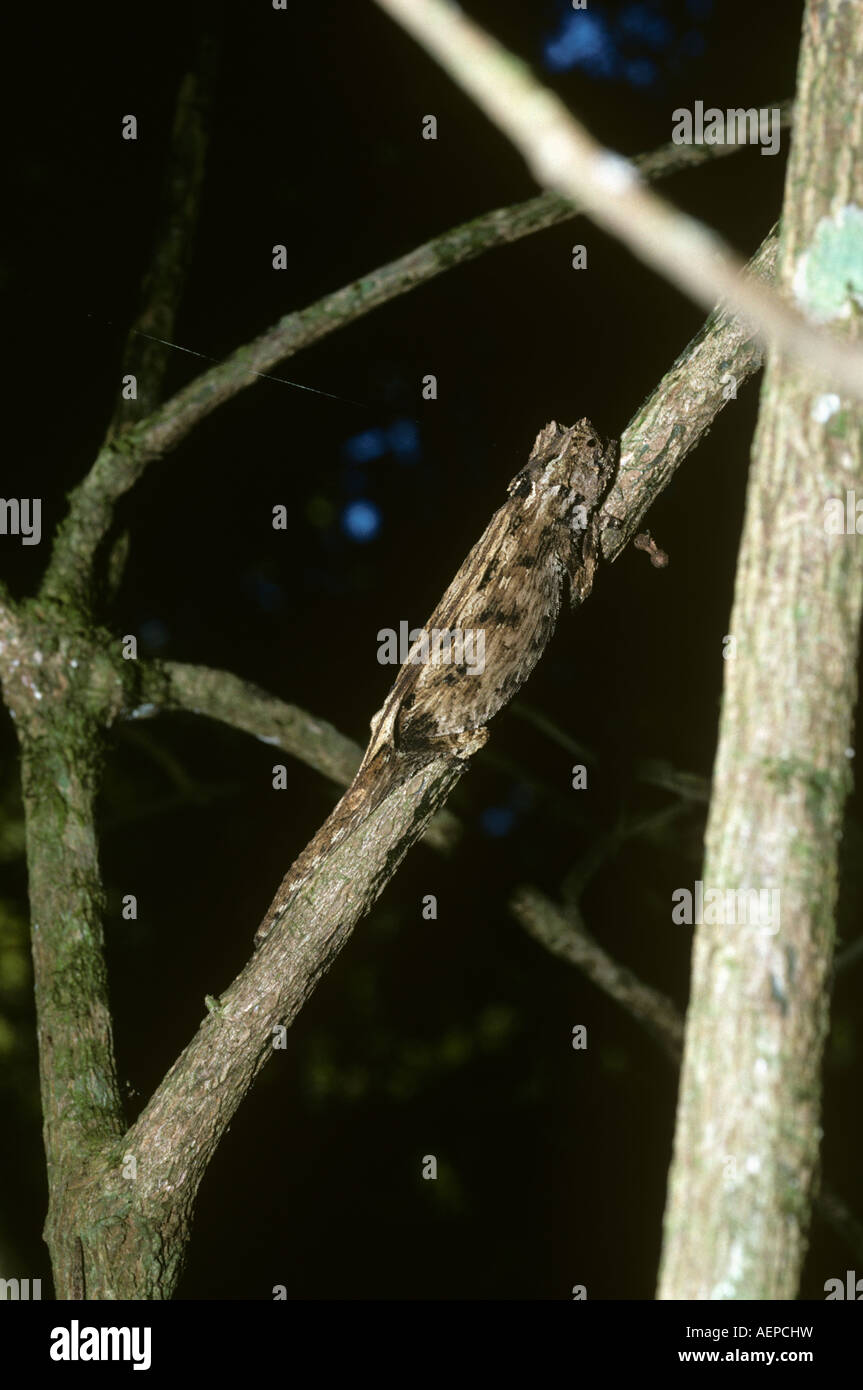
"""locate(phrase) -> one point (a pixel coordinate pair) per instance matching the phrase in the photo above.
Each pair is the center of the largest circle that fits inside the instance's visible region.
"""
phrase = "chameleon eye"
(591, 443)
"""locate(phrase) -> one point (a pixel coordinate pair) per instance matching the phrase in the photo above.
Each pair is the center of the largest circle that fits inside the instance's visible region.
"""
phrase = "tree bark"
(746, 1146)
(122, 1201)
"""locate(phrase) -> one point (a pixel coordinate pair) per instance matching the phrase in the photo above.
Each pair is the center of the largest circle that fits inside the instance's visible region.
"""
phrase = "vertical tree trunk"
(746, 1146)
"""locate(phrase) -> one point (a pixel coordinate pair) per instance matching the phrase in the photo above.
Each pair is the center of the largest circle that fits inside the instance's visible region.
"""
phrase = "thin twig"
(220, 695)
(564, 935)
(162, 287)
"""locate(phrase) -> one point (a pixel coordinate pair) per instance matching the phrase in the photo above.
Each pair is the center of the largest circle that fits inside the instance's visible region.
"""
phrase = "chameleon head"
(574, 467)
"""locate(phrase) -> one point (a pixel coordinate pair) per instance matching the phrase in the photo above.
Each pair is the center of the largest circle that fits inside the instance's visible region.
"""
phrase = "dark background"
(449, 1037)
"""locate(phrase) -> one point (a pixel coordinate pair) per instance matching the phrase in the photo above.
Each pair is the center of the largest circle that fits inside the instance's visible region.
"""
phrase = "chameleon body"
(544, 538)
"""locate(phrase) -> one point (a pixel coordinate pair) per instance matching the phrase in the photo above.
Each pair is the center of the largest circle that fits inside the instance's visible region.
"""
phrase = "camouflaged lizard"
(510, 588)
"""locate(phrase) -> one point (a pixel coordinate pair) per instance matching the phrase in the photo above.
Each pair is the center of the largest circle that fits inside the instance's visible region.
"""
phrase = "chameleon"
(544, 538)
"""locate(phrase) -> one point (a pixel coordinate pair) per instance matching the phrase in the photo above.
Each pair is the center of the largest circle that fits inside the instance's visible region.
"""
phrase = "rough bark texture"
(174, 685)
(561, 930)
(674, 418)
(133, 1205)
(746, 1146)
(63, 692)
(117, 1228)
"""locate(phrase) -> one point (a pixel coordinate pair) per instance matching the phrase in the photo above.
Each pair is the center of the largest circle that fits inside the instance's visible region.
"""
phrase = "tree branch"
(220, 695)
(162, 288)
(564, 934)
(564, 157)
(321, 920)
(123, 460)
(181, 1126)
(680, 411)
(667, 427)
(176, 1135)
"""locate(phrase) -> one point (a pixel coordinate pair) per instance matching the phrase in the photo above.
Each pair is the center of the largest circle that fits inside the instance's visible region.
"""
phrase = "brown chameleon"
(510, 588)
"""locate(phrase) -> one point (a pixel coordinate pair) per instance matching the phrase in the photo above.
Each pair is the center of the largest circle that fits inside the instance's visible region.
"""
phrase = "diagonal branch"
(220, 695)
(680, 411)
(564, 157)
(172, 1142)
(667, 427)
(122, 461)
(565, 936)
(179, 1130)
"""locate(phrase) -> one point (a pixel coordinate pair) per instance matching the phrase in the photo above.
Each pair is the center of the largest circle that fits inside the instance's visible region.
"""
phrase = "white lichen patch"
(828, 277)
(615, 173)
(823, 407)
(728, 1287)
(143, 712)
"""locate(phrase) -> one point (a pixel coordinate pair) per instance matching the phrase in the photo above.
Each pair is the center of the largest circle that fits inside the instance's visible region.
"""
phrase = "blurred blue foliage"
(645, 23)
(404, 440)
(496, 821)
(361, 520)
(269, 597)
(499, 820)
(360, 448)
(584, 41)
(401, 439)
(636, 43)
